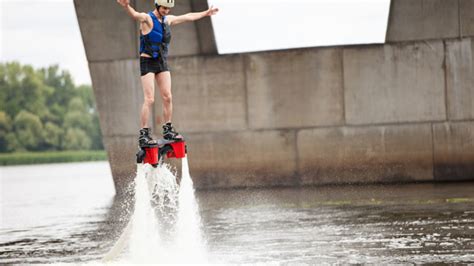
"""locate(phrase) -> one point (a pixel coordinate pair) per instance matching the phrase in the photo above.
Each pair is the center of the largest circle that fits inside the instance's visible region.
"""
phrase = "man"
(155, 36)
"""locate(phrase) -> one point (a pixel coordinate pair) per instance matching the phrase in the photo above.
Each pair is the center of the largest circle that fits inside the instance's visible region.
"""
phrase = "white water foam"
(189, 234)
(145, 238)
(166, 225)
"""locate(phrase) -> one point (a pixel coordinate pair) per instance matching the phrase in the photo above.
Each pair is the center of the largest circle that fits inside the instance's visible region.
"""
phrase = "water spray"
(166, 219)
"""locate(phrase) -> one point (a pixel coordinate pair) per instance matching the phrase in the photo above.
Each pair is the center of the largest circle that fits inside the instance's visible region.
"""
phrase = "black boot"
(145, 138)
(169, 132)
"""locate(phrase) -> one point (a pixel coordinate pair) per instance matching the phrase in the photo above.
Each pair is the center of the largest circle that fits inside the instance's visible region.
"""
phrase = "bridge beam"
(401, 111)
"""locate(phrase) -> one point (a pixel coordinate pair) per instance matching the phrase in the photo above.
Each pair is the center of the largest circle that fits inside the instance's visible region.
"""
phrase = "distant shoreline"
(22, 158)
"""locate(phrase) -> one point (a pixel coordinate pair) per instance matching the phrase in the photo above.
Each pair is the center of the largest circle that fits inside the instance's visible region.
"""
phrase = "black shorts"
(153, 65)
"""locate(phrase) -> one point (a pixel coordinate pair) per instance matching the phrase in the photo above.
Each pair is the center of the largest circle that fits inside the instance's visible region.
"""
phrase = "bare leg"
(148, 84)
(163, 80)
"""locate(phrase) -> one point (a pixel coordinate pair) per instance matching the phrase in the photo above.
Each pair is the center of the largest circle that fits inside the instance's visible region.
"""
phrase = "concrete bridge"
(398, 112)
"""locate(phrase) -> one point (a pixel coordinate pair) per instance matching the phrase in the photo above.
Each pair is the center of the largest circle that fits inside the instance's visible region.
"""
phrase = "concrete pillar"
(459, 79)
(111, 40)
(453, 151)
(411, 20)
(365, 154)
(394, 83)
(402, 111)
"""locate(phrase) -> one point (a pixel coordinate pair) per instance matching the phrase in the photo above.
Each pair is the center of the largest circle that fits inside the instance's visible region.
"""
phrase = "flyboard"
(153, 154)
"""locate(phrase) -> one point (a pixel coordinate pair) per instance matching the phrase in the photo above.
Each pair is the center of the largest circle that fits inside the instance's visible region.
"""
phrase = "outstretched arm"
(142, 17)
(174, 20)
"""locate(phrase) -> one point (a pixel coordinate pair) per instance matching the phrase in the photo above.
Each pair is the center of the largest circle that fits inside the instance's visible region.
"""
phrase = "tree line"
(42, 110)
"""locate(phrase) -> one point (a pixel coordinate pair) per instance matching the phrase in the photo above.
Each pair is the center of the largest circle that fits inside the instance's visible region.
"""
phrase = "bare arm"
(141, 17)
(174, 20)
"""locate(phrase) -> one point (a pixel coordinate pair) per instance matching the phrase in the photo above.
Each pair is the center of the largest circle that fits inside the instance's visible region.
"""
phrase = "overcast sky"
(46, 32)
(42, 33)
(256, 25)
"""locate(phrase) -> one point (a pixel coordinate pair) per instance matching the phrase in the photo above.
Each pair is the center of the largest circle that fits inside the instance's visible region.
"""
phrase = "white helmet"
(165, 3)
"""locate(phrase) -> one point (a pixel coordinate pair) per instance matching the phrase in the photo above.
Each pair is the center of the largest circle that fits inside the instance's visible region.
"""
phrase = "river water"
(67, 213)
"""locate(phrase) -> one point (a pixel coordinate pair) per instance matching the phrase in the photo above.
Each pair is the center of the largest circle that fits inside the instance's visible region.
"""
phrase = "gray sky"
(45, 32)
(256, 25)
(42, 33)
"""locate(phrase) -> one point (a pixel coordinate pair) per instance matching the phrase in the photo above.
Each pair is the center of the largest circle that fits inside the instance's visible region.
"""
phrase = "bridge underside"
(402, 111)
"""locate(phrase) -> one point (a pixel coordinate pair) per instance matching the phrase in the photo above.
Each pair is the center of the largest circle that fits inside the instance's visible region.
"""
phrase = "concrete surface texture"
(459, 79)
(394, 83)
(398, 112)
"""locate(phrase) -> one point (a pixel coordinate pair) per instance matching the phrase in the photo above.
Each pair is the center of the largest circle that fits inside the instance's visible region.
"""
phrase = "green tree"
(63, 90)
(12, 143)
(22, 89)
(53, 135)
(61, 81)
(96, 135)
(29, 131)
(76, 139)
(83, 116)
(5, 129)
(47, 96)
(78, 119)
(85, 92)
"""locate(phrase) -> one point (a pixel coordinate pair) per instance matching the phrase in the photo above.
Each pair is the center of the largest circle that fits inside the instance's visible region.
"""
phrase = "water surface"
(68, 213)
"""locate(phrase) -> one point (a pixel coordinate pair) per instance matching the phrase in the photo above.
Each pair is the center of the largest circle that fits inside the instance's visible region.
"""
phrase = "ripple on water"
(369, 225)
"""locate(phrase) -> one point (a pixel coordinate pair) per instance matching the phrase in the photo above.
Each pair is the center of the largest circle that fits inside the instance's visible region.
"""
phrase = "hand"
(211, 11)
(123, 3)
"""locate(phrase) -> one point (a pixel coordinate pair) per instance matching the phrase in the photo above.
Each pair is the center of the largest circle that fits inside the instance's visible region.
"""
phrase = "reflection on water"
(68, 213)
(54, 212)
(375, 224)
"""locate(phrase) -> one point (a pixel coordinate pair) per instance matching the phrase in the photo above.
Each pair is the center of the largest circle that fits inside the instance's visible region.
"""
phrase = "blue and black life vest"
(156, 42)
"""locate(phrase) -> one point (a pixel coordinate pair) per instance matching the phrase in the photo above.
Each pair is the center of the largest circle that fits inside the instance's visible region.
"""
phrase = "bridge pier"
(398, 112)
